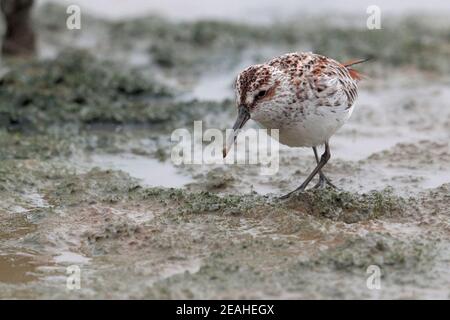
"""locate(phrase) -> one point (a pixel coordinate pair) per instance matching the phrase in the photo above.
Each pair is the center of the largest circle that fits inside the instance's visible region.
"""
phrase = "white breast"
(313, 128)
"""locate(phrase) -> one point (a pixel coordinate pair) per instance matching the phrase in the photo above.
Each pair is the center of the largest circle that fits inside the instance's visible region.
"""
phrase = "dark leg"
(323, 160)
(323, 180)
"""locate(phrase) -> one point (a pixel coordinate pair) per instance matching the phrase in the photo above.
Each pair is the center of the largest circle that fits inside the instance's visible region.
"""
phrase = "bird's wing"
(332, 83)
(320, 79)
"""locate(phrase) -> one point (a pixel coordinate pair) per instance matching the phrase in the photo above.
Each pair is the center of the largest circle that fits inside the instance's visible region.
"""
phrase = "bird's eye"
(261, 94)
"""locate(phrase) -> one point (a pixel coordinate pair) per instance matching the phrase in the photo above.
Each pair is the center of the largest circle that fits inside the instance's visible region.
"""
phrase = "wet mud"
(86, 176)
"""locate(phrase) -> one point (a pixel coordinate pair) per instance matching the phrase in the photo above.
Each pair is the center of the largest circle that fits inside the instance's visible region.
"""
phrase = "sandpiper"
(306, 96)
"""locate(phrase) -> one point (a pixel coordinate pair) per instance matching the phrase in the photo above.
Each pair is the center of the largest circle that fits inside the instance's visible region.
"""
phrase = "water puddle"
(360, 147)
(151, 172)
(17, 268)
(424, 179)
(68, 257)
(19, 263)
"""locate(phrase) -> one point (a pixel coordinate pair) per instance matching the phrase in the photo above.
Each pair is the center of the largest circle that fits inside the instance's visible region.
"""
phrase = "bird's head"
(261, 91)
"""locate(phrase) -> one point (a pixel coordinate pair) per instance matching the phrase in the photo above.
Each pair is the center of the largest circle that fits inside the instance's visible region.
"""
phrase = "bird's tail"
(354, 73)
(353, 62)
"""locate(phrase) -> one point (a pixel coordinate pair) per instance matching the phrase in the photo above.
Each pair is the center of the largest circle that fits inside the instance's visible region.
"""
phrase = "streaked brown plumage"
(306, 96)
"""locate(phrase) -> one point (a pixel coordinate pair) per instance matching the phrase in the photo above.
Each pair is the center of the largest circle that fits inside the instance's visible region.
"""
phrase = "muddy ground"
(86, 176)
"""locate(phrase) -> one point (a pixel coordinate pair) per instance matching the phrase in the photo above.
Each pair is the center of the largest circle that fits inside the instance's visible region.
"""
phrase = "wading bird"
(306, 96)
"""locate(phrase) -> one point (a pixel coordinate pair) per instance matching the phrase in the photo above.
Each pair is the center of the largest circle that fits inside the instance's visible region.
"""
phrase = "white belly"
(314, 128)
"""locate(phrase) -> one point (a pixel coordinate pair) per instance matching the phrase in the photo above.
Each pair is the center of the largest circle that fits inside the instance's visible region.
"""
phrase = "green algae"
(348, 207)
(379, 249)
(113, 186)
(202, 202)
(17, 145)
(77, 89)
(187, 46)
(193, 48)
(234, 260)
(407, 42)
(103, 241)
(401, 42)
(17, 176)
(92, 187)
(73, 88)
(214, 180)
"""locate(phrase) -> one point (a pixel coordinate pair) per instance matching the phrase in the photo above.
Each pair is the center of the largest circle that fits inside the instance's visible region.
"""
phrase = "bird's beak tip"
(242, 118)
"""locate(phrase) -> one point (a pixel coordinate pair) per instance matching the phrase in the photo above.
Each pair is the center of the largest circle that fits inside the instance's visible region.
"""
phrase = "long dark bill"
(243, 116)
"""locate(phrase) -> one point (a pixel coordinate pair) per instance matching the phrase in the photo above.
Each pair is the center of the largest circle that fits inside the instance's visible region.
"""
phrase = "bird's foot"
(298, 190)
(324, 182)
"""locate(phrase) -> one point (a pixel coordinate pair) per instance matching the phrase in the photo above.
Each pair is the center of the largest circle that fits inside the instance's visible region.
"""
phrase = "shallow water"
(17, 268)
(151, 172)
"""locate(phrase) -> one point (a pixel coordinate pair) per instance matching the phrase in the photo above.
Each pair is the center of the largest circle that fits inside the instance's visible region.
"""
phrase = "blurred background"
(250, 11)
(86, 177)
